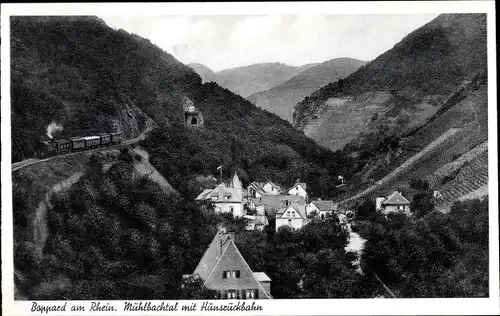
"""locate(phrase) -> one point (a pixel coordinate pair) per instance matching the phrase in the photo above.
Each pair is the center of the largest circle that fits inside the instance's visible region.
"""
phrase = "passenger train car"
(54, 147)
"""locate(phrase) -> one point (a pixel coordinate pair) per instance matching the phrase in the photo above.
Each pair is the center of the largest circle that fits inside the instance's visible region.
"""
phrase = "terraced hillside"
(472, 177)
(403, 170)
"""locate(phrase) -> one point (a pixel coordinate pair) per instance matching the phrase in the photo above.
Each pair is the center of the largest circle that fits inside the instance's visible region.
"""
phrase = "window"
(401, 208)
(215, 197)
(225, 274)
(231, 293)
(194, 121)
(227, 197)
(231, 209)
(235, 274)
(289, 222)
(322, 216)
(251, 294)
(288, 213)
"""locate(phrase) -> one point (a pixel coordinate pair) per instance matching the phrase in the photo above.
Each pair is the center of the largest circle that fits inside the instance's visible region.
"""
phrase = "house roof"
(396, 199)
(257, 186)
(274, 185)
(261, 277)
(215, 250)
(302, 184)
(216, 257)
(299, 208)
(325, 205)
(203, 194)
(273, 202)
(235, 194)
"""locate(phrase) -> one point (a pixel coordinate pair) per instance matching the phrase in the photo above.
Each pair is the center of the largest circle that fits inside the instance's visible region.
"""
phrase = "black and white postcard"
(249, 158)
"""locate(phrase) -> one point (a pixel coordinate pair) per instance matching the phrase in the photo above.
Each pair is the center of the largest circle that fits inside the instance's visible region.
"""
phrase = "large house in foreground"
(223, 269)
(395, 202)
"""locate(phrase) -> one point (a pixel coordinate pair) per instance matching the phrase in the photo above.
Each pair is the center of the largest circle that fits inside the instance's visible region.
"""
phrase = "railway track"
(28, 162)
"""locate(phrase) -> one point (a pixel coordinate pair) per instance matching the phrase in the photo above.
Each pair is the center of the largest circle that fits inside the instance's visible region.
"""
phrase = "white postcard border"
(274, 307)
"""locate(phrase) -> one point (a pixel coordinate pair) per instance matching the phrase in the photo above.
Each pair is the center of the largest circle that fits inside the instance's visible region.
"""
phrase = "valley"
(341, 178)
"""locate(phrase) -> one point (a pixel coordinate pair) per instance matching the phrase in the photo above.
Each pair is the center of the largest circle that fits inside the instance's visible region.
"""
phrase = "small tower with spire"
(235, 182)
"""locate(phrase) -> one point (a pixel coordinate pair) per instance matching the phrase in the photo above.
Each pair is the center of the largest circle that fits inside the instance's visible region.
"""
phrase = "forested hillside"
(401, 88)
(81, 73)
(282, 98)
(250, 79)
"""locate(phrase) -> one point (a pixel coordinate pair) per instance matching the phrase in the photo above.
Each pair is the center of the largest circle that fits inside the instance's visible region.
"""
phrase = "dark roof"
(325, 205)
(273, 202)
(212, 254)
(217, 258)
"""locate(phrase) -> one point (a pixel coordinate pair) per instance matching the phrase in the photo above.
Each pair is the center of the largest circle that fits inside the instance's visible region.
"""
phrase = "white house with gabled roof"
(395, 202)
(271, 188)
(299, 188)
(225, 199)
(292, 215)
(321, 208)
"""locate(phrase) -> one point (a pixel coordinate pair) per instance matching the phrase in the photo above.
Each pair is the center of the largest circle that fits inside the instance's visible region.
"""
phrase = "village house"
(259, 189)
(292, 215)
(255, 190)
(298, 188)
(226, 199)
(273, 203)
(271, 188)
(223, 269)
(321, 209)
(395, 202)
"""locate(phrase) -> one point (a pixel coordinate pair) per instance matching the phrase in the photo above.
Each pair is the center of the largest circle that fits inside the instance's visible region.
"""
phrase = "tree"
(364, 210)
(423, 200)
(192, 288)
(439, 255)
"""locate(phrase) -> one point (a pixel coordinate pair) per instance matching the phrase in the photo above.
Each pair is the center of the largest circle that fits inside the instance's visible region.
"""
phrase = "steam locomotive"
(54, 147)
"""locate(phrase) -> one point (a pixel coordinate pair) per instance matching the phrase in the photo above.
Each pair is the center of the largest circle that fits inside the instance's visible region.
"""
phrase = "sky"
(227, 41)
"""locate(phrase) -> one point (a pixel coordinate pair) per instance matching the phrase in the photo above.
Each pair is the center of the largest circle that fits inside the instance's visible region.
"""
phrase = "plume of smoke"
(53, 127)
